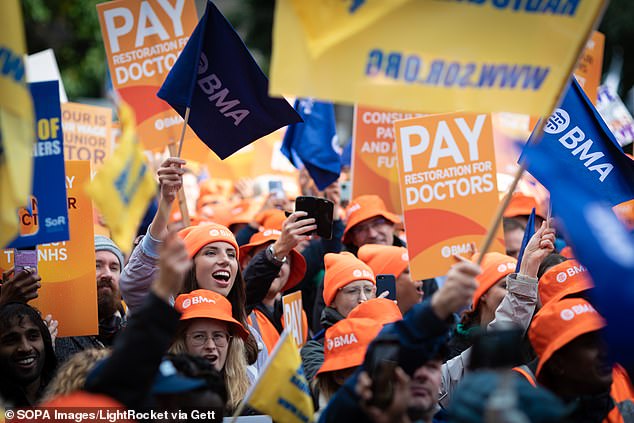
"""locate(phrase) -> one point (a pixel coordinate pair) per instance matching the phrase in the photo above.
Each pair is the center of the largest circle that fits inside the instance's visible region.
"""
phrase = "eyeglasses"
(198, 339)
(370, 224)
(368, 291)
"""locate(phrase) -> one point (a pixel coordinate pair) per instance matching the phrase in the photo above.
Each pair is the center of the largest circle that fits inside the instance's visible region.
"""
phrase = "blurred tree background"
(71, 29)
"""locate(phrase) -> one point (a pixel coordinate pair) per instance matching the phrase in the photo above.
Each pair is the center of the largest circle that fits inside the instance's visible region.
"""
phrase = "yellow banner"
(436, 56)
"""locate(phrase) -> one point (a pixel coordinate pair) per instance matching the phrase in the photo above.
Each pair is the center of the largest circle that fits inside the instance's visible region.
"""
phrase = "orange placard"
(143, 40)
(293, 316)
(87, 133)
(374, 166)
(69, 288)
(590, 64)
(448, 188)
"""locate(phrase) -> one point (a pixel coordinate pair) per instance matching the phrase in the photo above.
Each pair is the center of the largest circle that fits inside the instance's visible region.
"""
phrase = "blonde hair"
(234, 372)
(71, 376)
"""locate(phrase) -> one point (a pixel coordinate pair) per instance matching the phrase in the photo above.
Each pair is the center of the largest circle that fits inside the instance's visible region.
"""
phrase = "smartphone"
(386, 282)
(345, 191)
(25, 257)
(276, 187)
(319, 209)
(382, 361)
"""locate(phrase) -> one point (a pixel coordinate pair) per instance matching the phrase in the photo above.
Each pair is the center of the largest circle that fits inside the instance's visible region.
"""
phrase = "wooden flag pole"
(488, 240)
(182, 200)
(180, 143)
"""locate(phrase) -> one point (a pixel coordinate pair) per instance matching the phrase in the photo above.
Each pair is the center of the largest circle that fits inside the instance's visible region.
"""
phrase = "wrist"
(274, 255)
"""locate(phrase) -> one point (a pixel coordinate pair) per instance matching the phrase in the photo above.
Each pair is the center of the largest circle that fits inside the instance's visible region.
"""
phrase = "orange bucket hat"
(366, 207)
(206, 304)
(380, 310)
(566, 278)
(196, 237)
(495, 266)
(558, 323)
(346, 343)
(272, 218)
(522, 205)
(384, 258)
(342, 269)
(241, 213)
(298, 263)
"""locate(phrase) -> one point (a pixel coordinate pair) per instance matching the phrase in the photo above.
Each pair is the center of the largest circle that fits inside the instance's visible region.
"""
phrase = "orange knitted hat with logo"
(342, 269)
(196, 237)
(560, 322)
(564, 279)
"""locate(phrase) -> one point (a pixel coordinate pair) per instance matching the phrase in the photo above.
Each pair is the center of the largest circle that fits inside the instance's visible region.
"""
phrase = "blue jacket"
(421, 335)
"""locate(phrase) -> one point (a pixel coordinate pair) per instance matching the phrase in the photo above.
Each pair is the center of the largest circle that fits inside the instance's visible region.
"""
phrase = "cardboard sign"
(588, 70)
(143, 40)
(69, 288)
(292, 304)
(41, 67)
(46, 218)
(374, 165)
(87, 133)
(616, 115)
(448, 188)
(436, 56)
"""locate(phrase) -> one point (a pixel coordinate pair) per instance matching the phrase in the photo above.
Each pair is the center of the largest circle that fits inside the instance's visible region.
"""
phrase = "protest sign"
(143, 41)
(374, 166)
(588, 70)
(87, 133)
(434, 56)
(292, 304)
(46, 217)
(42, 67)
(616, 115)
(448, 188)
(69, 288)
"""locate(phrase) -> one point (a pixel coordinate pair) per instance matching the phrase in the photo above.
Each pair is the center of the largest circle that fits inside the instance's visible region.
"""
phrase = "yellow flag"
(16, 121)
(282, 391)
(327, 22)
(124, 185)
(430, 56)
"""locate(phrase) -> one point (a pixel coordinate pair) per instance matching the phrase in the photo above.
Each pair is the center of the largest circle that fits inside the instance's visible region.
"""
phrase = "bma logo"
(502, 268)
(561, 277)
(270, 232)
(188, 302)
(353, 208)
(567, 314)
(357, 273)
(558, 122)
(219, 232)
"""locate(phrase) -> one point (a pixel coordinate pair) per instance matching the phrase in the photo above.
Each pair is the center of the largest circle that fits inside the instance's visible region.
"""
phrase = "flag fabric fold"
(313, 143)
(601, 243)
(282, 391)
(17, 126)
(577, 138)
(124, 185)
(528, 234)
(227, 93)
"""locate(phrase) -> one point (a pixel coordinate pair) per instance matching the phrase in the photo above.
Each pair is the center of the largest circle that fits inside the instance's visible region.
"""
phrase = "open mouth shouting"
(222, 277)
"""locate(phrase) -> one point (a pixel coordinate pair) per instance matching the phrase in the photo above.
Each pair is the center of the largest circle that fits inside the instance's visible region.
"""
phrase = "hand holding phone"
(386, 282)
(382, 361)
(319, 209)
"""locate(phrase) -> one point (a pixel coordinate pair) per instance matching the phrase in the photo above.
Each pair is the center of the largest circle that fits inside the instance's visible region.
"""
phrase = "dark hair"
(552, 259)
(12, 313)
(238, 298)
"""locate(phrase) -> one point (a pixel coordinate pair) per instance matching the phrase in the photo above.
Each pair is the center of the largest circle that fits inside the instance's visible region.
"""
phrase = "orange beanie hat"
(342, 269)
(346, 343)
(566, 278)
(384, 258)
(196, 237)
(380, 310)
(494, 267)
(558, 323)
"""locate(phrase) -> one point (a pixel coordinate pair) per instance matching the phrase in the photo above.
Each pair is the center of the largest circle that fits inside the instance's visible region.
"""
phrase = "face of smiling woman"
(216, 267)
